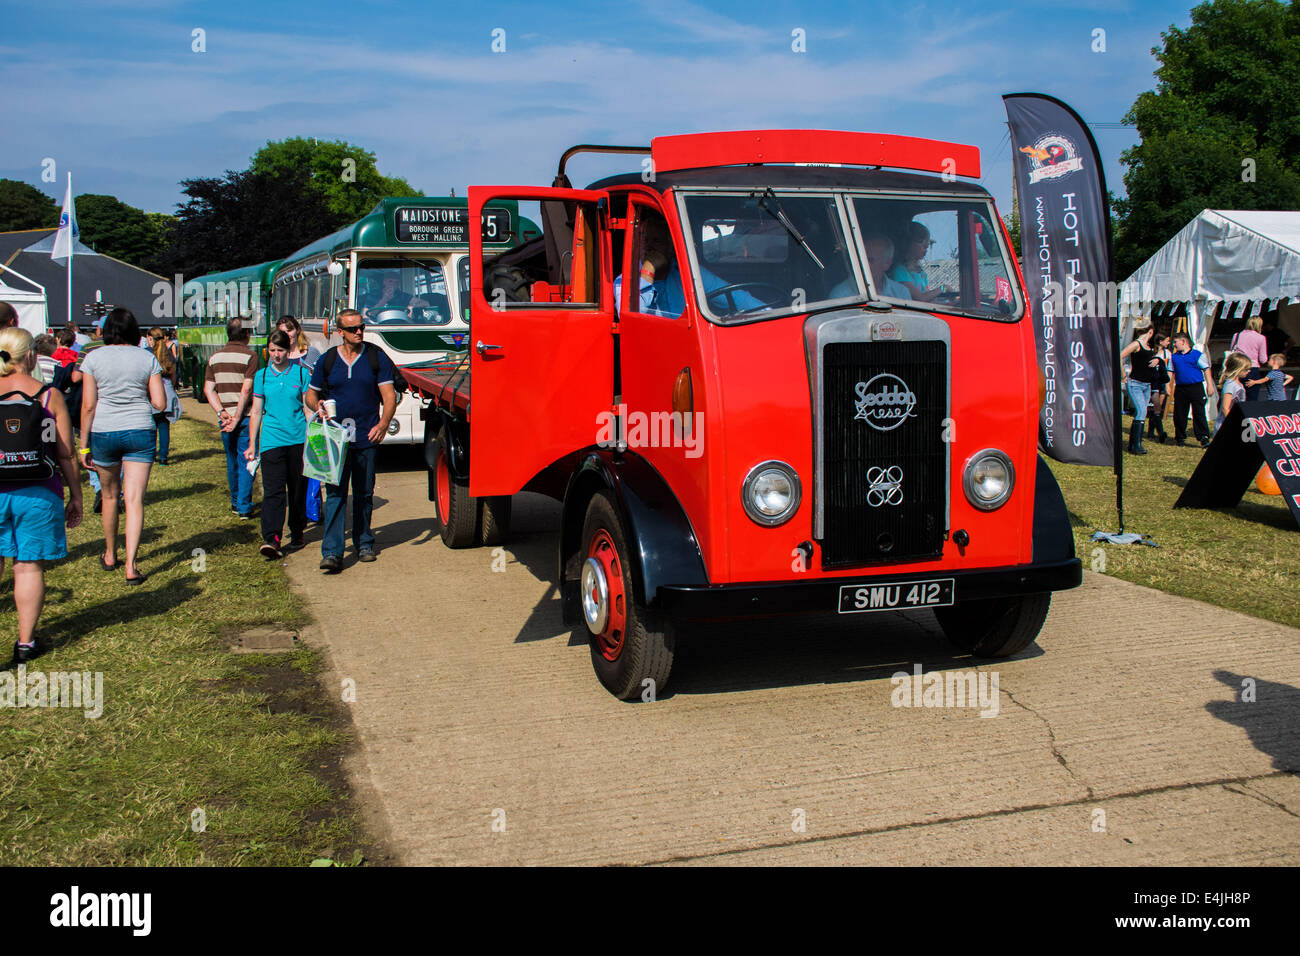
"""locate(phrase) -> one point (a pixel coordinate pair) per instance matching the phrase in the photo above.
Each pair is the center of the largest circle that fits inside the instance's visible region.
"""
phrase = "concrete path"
(486, 738)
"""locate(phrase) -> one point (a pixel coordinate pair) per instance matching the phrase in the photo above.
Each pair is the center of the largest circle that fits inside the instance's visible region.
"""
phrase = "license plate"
(884, 596)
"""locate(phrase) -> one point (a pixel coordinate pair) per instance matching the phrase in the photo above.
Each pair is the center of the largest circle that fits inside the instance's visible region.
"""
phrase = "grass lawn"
(1244, 558)
(250, 740)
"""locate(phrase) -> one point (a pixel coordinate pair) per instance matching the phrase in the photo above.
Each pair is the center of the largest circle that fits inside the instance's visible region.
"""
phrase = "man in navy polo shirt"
(1192, 383)
(365, 403)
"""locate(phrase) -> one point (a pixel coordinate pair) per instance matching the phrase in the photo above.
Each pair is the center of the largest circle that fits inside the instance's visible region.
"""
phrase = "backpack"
(61, 381)
(331, 357)
(23, 454)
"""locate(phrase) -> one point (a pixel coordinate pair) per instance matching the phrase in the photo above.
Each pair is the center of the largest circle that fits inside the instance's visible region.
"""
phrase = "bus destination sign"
(447, 225)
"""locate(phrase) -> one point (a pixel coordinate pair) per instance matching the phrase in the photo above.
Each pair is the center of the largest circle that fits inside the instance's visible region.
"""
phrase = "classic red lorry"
(769, 372)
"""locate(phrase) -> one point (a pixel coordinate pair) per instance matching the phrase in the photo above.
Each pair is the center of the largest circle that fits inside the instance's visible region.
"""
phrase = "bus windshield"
(768, 251)
(402, 291)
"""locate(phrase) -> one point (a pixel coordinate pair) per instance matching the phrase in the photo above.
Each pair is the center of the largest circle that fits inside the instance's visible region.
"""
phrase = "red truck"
(768, 372)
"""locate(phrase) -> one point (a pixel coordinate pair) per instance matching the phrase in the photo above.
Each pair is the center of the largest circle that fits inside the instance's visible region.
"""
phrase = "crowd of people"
(104, 403)
(1165, 370)
(106, 400)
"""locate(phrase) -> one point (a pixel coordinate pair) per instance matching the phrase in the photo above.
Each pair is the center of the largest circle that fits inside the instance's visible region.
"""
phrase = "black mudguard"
(1053, 534)
(434, 420)
(659, 534)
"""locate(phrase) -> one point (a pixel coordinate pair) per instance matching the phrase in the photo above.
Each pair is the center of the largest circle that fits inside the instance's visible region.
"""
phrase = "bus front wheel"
(995, 627)
(629, 657)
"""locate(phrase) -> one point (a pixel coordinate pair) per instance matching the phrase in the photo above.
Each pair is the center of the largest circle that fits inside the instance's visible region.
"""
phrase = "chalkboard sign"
(447, 225)
(1253, 432)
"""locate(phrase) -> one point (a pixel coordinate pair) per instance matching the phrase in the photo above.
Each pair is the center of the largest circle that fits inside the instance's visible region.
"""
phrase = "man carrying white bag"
(354, 394)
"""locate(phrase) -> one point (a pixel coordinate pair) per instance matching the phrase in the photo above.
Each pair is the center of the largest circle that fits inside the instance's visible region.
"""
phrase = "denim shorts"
(31, 525)
(109, 449)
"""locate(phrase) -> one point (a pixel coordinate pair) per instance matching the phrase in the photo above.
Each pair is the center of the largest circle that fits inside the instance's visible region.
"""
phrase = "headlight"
(989, 479)
(393, 426)
(771, 493)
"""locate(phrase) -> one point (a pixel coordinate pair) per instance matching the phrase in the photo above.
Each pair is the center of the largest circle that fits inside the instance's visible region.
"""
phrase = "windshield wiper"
(777, 213)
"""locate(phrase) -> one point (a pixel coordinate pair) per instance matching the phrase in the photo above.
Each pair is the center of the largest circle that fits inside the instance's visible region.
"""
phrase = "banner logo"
(1052, 157)
(885, 402)
(885, 486)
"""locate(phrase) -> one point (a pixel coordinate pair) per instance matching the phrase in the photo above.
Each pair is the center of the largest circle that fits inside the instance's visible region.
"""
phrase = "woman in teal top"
(908, 270)
(278, 427)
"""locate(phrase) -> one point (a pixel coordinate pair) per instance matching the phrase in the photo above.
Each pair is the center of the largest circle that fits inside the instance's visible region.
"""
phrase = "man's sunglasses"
(352, 328)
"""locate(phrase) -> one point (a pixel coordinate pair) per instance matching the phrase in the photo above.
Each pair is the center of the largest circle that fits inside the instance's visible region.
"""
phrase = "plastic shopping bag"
(322, 455)
(313, 500)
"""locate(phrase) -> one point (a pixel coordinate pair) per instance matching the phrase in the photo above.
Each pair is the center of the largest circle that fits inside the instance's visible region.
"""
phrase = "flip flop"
(106, 565)
(138, 580)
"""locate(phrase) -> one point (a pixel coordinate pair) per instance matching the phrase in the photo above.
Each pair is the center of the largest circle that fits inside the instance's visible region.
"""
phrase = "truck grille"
(884, 453)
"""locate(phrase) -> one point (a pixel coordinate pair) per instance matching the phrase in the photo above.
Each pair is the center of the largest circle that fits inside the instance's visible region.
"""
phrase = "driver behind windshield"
(391, 296)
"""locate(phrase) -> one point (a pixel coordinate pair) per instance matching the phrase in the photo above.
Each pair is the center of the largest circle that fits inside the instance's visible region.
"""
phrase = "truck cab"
(770, 372)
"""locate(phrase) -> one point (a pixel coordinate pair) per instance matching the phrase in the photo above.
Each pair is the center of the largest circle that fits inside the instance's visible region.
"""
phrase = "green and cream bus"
(405, 267)
(208, 302)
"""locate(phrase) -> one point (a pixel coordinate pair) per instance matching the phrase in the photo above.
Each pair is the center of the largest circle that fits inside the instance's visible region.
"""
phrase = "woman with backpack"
(121, 389)
(33, 516)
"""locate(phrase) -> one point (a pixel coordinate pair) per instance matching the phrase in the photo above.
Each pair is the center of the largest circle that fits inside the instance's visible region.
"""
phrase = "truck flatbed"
(444, 383)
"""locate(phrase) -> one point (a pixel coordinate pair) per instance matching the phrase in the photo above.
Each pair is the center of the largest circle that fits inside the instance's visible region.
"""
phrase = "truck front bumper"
(824, 595)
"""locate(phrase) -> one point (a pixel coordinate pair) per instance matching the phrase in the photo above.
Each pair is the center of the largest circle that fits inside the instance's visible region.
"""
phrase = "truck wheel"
(494, 519)
(457, 512)
(995, 627)
(625, 653)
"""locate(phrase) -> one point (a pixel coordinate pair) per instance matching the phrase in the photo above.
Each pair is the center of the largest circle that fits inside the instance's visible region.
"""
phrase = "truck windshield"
(763, 250)
(943, 253)
(402, 291)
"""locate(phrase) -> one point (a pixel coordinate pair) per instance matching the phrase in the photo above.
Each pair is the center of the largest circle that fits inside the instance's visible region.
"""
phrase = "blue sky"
(111, 89)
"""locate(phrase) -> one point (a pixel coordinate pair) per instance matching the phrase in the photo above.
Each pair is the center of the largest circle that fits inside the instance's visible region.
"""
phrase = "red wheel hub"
(604, 595)
(443, 489)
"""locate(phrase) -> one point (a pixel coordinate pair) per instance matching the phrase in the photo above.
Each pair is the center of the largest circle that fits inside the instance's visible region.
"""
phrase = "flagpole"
(71, 256)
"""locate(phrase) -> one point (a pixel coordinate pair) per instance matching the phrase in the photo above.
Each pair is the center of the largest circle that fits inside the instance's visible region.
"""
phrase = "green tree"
(1222, 127)
(112, 227)
(293, 192)
(344, 176)
(25, 207)
(243, 218)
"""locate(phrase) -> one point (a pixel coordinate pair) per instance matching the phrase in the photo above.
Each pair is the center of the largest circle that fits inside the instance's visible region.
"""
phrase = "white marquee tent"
(28, 299)
(1222, 262)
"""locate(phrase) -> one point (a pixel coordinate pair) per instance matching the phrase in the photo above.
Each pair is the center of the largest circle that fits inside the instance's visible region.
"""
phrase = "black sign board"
(447, 225)
(1253, 432)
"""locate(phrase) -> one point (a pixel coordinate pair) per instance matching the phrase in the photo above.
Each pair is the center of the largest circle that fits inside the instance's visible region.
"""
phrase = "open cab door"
(541, 336)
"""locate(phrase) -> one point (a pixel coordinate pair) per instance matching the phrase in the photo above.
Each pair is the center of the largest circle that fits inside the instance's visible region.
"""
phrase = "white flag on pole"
(65, 239)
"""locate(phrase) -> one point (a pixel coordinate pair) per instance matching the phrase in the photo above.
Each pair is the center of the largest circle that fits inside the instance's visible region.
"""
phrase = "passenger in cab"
(908, 270)
(880, 257)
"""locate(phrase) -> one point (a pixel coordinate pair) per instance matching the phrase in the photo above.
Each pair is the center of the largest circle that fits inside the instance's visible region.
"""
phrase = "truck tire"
(511, 280)
(630, 659)
(995, 627)
(455, 510)
(494, 519)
